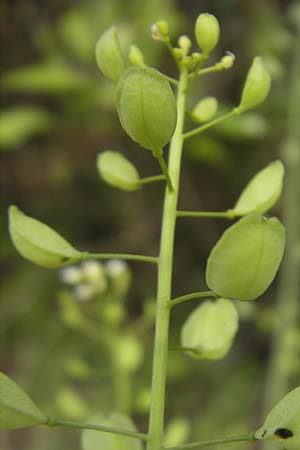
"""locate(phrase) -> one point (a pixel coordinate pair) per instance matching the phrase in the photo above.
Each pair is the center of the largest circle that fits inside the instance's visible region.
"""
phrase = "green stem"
(229, 440)
(129, 257)
(170, 79)
(159, 375)
(152, 179)
(90, 426)
(208, 125)
(164, 168)
(229, 214)
(193, 295)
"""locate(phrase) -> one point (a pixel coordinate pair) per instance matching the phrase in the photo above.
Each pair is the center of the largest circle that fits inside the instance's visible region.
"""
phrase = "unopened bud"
(160, 30)
(207, 32)
(228, 60)
(185, 43)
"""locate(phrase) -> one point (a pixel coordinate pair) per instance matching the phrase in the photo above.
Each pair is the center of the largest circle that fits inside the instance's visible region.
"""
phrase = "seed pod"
(257, 86)
(117, 171)
(146, 107)
(207, 31)
(39, 243)
(282, 425)
(246, 259)
(263, 191)
(205, 110)
(108, 55)
(17, 410)
(210, 329)
(91, 440)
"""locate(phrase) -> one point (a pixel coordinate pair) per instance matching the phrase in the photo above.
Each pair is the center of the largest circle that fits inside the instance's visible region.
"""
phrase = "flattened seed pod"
(117, 171)
(108, 55)
(282, 425)
(39, 243)
(246, 259)
(146, 107)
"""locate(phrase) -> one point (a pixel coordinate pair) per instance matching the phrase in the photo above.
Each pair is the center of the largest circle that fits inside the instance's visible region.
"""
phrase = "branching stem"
(229, 440)
(208, 125)
(229, 214)
(193, 295)
(126, 256)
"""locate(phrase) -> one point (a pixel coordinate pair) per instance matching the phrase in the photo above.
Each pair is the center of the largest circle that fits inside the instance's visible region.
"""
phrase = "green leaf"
(17, 410)
(205, 110)
(146, 107)
(210, 329)
(282, 425)
(39, 243)
(116, 170)
(92, 440)
(257, 86)
(246, 259)
(108, 55)
(263, 191)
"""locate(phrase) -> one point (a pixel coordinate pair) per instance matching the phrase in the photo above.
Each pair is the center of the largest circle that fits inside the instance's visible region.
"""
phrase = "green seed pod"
(263, 191)
(39, 243)
(205, 110)
(207, 31)
(146, 107)
(246, 259)
(257, 86)
(108, 55)
(17, 410)
(136, 57)
(91, 440)
(282, 425)
(210, 329)
(117, 171)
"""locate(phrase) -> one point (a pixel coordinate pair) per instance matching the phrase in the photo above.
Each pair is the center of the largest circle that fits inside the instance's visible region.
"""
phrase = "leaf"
(17, 410)
(117, 171)
(246, 259)
(210, 329)
(146, 107)
(263, 191)
(93, 440)
(39, 243)
(108, 55)
(282, 425)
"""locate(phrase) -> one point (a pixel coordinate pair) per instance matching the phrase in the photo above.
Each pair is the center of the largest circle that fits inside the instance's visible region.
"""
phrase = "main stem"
(156, 424)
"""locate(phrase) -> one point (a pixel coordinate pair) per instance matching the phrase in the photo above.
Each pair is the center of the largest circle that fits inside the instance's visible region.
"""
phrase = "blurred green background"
(81, 341)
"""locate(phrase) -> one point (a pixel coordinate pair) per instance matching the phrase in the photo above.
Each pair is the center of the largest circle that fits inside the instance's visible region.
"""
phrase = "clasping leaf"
(17, 410)
(39, 243)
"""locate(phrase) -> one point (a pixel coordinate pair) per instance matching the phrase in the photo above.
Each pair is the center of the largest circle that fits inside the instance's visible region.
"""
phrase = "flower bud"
(228, 60)
(160, 30)
(185, 43)
(257, 86)
(136, 57)
(246, 259)
(207, 32)
(147, 108)
(117, 171)
(205, 110)
(38, 242)
(108, 55)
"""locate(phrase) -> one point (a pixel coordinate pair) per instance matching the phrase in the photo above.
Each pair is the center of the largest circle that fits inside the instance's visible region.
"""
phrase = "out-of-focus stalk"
(284, 358)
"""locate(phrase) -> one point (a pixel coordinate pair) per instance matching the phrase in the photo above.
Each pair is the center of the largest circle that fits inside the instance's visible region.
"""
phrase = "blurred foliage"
(84, 348)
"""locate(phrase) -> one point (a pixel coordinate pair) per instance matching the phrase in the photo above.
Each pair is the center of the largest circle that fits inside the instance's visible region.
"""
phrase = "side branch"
(193, 295)
(126, 256)
(208, 125)
(89, 426)
(229, 440)
(229, 214)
